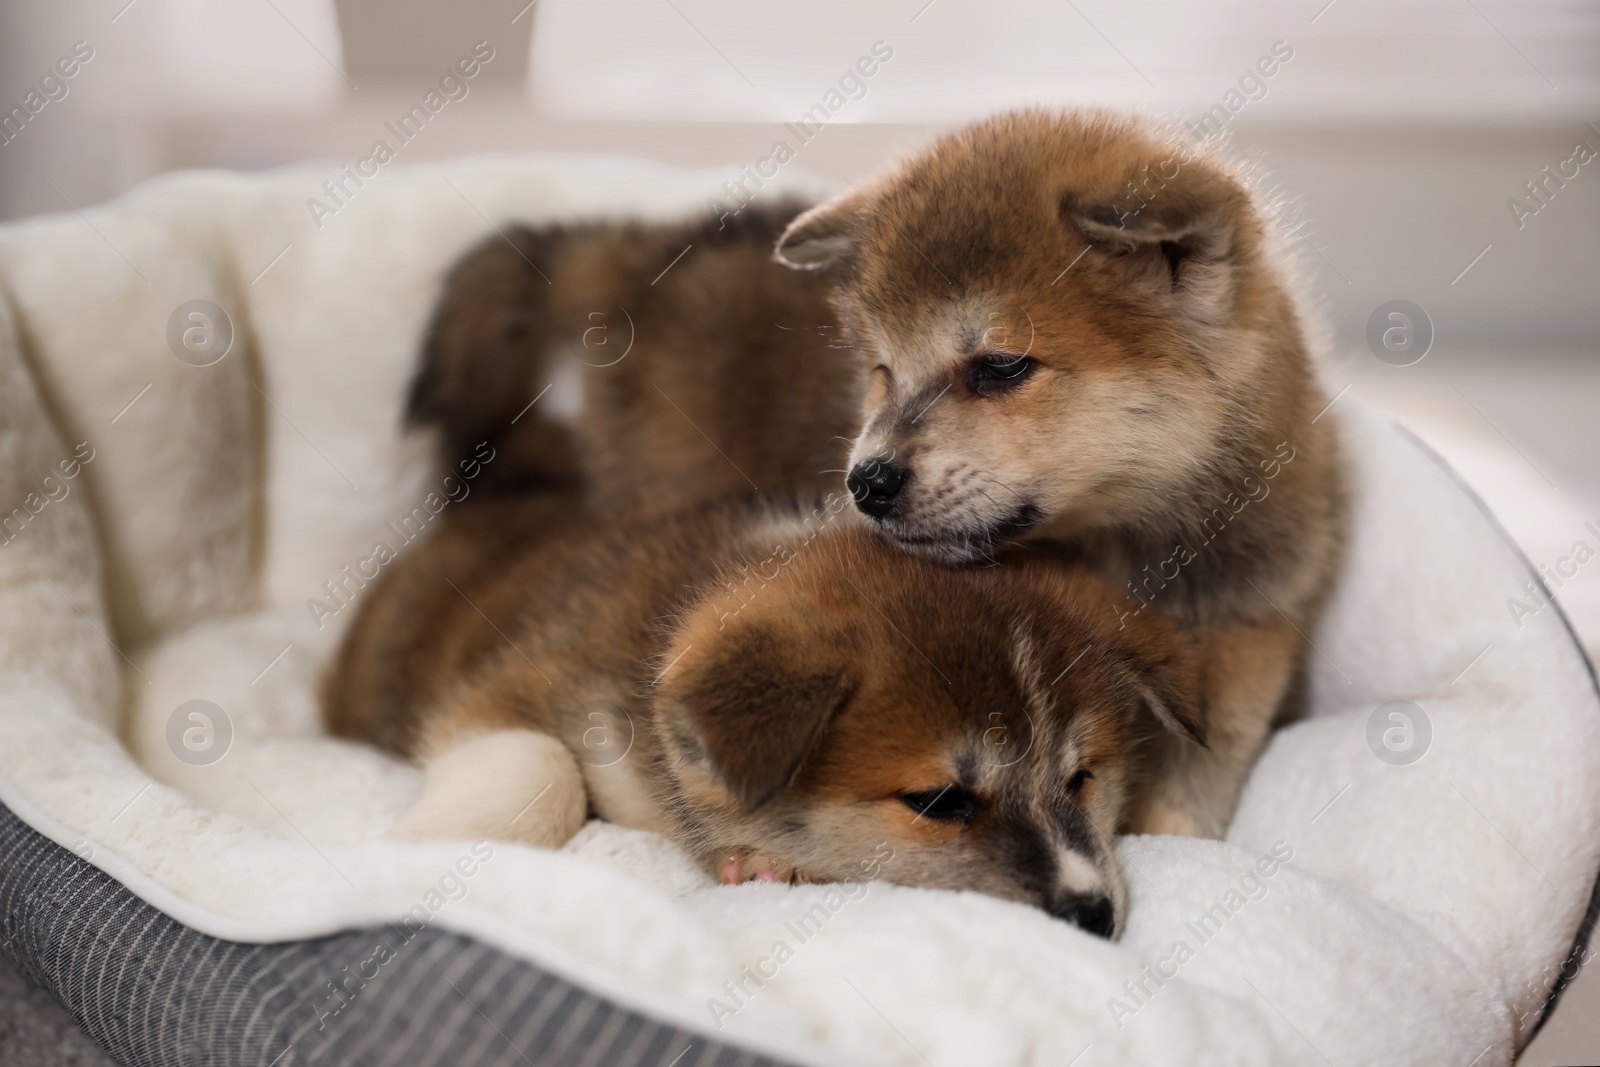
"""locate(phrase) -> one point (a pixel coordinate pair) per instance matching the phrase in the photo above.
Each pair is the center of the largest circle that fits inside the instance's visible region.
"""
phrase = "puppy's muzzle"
(1093, 914)
(875, 484)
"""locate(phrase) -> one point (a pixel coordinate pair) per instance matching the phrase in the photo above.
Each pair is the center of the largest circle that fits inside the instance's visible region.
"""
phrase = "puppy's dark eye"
(1075, 783)
(996, 372)
(950, 804)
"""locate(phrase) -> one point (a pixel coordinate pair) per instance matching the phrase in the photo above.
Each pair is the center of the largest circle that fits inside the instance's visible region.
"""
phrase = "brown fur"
(783, 678)
(1168, 407)
(734, 378)
(1169, 402)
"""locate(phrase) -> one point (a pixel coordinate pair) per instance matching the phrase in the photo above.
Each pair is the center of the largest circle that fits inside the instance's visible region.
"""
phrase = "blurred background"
(1445, 153)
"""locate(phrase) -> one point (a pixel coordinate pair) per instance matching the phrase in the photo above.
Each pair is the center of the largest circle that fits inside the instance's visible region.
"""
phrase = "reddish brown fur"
(781, 724)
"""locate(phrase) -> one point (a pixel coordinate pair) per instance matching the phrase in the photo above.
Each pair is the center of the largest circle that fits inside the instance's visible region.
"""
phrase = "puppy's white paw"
(1161, 817)
(740, 867)
(510, 785)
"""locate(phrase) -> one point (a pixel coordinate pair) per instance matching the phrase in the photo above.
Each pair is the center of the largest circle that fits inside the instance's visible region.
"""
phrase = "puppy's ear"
(1177, 246)
(1170, 691)
(1160, 663)
(820, 237)
(1145, 655)
(749, 711)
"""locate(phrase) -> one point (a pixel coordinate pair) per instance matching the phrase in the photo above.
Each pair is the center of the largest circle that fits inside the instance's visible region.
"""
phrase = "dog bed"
(200, 388)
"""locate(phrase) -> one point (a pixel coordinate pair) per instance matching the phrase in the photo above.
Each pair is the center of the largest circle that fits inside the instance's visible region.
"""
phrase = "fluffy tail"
(483, 354)
(514, 304)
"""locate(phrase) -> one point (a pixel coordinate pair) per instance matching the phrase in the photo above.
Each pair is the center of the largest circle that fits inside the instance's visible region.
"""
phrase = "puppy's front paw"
(740, 867)
(1159, 817)
(510, 785)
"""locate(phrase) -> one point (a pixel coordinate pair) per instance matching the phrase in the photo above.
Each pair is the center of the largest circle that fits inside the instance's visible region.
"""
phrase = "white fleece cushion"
(1415, 922)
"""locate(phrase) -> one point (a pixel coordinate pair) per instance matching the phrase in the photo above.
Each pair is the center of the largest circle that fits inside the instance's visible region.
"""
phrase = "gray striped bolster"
(155, 993)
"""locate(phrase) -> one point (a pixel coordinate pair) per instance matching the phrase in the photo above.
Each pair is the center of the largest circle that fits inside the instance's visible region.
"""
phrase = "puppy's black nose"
(1092, 915)
(876, 485)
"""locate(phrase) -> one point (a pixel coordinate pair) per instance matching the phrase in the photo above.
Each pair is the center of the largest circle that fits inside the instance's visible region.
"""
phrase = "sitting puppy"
(781, 691)
(1063, 330)
(1079, 335)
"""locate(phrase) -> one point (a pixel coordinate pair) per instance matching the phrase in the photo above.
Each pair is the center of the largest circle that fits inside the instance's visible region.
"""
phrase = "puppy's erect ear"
(820, 237)
(749, 711)
(1178, 244)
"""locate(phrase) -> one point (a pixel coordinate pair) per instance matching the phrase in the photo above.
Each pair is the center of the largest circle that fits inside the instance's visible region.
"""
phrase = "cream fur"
(514, 785)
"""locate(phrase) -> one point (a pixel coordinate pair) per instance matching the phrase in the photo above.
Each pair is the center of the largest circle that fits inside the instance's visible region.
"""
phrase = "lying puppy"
(1077, 334)
(781, 691)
